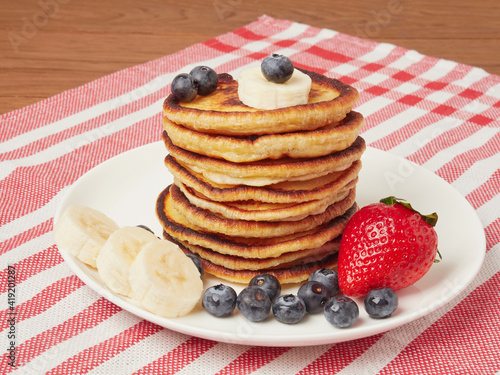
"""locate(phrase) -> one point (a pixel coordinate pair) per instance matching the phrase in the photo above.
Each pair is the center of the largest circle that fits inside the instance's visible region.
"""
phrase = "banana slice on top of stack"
(256, 91)
(265, 173)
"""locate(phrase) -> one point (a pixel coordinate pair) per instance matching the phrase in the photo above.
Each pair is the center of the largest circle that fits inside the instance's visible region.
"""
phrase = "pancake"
(283, 192)
(178, 227)
(223, 113)
(269, 171)
(261, 211)
(286, 275)
(210, 222)
(304, 144)
(284, 260)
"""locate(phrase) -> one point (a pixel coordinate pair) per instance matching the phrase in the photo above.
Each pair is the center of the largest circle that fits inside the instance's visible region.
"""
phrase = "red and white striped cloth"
(437, 113)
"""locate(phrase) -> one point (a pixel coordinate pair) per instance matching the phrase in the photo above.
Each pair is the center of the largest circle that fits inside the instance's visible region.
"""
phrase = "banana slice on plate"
(119, 251)
(164, 280)
(82, 231)
(254, 90)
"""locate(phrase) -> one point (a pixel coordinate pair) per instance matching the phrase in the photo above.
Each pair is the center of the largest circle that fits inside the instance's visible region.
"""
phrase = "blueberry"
(184, 88)
(341, 311)
(289, 309)
(205, 78)
(328, 278)
(145, 227)
(314, 295)
(269, 283)
(254, 303)
(197, 262)
(277, 68)
(381, 302)
(219, 300)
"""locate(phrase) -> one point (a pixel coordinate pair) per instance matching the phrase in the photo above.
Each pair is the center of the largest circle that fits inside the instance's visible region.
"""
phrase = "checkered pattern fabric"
(439, 114)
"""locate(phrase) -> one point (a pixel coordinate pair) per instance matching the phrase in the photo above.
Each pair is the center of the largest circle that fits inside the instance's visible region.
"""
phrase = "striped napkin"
(439, 114)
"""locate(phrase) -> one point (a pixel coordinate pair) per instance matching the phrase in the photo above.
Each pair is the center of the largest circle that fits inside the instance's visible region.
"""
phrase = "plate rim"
(267, 340)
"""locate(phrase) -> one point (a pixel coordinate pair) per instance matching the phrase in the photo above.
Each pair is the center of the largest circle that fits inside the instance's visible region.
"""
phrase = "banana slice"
(82, 231)
(119, 251)
(164, 280)
(256, 91)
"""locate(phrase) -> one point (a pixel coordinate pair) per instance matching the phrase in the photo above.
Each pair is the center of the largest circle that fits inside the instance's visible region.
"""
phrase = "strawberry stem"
(440, 257)
(430, 219)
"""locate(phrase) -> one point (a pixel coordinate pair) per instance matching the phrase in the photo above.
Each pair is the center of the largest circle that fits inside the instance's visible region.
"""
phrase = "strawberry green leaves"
(430, 219)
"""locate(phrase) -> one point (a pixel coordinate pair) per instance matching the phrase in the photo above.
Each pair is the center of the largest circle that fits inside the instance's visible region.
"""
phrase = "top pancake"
(223, 113)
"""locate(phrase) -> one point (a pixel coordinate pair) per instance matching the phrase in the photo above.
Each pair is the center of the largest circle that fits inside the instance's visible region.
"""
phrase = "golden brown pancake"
(262, 211)
(301, 144)
(178, 227)
(269, 171)
(223, 113)
(283, 192)
(284, 260)
(286, 274)
(210, 222)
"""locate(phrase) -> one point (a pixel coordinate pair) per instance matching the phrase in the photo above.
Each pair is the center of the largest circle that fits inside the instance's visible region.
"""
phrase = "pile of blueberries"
(201, 80)
(321, 293)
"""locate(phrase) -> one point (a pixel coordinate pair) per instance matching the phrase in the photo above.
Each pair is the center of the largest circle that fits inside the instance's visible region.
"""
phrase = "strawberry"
(386, 244)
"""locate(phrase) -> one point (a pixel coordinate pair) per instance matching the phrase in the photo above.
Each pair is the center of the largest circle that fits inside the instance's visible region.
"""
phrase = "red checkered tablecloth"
(439, 114)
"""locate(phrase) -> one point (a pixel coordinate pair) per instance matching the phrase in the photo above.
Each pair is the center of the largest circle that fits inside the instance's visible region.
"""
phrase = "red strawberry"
(385, 244)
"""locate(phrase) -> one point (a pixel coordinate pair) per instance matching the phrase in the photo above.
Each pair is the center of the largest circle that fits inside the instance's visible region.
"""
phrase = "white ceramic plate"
(125, 188)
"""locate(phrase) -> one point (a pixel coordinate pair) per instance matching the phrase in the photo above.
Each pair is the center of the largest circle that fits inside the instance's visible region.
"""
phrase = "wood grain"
(48, 46)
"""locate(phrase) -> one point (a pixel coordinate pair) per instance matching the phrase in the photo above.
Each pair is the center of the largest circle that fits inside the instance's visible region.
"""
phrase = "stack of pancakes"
(261, 191)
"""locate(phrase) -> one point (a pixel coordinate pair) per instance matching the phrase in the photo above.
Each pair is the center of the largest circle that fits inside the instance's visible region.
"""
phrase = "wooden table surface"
(48, 46)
